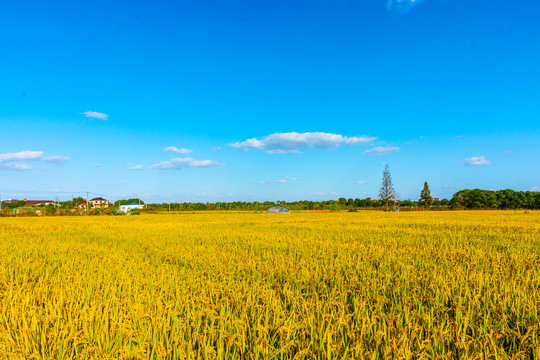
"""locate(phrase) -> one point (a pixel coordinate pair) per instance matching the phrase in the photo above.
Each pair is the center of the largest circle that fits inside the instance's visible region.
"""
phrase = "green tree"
(129, 201)
(78, 201)
(387, 191)
(425, 196)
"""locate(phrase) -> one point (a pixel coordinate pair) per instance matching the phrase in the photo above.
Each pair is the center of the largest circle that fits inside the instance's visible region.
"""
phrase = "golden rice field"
(256, 286)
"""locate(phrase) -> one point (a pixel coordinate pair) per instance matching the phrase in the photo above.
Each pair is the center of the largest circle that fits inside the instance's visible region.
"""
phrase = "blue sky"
(267, 100)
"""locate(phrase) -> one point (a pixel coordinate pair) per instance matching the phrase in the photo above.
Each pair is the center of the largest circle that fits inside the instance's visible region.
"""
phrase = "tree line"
(463, 199)
(491, 199)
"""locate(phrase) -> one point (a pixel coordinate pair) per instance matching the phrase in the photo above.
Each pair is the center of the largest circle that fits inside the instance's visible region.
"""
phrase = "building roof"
(133, 203)
(277, 210)
(98, 199)
(38, 202)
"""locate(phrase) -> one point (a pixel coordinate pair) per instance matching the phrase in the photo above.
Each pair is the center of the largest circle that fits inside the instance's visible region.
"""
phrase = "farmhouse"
(129, 207)
(99, 202)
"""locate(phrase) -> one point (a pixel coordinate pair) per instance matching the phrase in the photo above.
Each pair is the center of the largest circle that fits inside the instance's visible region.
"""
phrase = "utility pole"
(0, 202)
(146, 200)
(139, 198)
(87, 203)
(169, 205)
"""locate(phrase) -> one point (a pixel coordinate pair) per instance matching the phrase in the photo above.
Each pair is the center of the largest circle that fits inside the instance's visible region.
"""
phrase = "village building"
(99, 202)
(129, 207)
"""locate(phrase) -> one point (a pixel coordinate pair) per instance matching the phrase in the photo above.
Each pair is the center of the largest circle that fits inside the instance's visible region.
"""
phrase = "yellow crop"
(258, 286)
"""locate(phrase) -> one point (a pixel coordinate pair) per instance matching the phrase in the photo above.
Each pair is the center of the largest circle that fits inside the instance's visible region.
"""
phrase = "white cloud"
(285, 180)
(23, 155)
(12, 161)
(286, 143)
(56, 159)
(249, 143)
(535, 188)
(15, 166)
(359, 140)
(217, 148)
(401, 5)
(476, 161)
(136, 167)
(380, 150)
(182, 151)
(180, 163)
(279, 151)
(96, 115)
(362, 182)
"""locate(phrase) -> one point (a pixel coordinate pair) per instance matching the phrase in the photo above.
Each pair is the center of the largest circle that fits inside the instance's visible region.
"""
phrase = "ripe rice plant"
(258, 286)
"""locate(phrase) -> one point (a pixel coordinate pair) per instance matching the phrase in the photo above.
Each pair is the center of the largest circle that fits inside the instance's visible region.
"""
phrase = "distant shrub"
(334, 207)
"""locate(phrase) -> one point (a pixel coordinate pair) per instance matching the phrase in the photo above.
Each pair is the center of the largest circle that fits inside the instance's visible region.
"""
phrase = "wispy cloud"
(285, 180)
(476, 161)
(17, 160)
(401, 5)
(182, 151)
(280, 151)
(136, 167)
(287, 143)
(96, 115)
(354, 140)
(535, 188)
(328, 193)
(381, 150)
(180, 163)
(22, 155)
(362, 182)
(56, 159)
(15, 166)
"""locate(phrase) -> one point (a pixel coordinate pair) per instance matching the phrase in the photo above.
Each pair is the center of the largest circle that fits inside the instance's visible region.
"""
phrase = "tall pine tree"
(387, 192)
(425, 196)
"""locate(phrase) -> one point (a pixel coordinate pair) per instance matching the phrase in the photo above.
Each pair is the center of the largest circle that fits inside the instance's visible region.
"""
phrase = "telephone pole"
(87, 203)
(169, 205)
(146, 200)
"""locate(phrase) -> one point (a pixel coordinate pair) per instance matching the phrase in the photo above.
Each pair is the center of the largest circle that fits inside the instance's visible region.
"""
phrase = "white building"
(129, 207)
